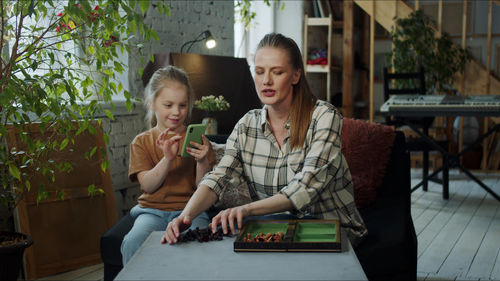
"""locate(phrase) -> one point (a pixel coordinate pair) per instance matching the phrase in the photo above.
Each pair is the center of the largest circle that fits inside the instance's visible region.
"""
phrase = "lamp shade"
(205, 35)
(210, 42)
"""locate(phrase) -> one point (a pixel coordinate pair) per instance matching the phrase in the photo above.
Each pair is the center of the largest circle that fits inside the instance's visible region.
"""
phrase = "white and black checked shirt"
(315, 177)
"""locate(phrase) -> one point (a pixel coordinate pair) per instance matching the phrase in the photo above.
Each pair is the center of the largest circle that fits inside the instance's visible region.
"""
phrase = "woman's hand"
(201, 200)
(199, 151)
(169, 146)
(174, 229)
(226, 218)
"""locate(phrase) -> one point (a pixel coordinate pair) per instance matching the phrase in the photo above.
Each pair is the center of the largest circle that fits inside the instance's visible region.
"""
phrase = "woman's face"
(275, 76)
(171, 106)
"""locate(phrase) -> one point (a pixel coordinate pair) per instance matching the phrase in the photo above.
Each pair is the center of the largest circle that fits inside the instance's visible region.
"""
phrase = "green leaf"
(63, 144)
(133, 26)
(167, 10)
(154, 35)
(106, 138)
(31, 8)
(92, 130)
(14, 171)
(91, 189)
(41, 194)
(61, 194)
(129, 105)
(93, 151)
(104, 165)
(144, 5)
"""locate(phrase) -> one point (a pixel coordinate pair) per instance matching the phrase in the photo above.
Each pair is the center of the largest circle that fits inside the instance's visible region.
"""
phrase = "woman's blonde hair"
(303, 99)
(158, 81)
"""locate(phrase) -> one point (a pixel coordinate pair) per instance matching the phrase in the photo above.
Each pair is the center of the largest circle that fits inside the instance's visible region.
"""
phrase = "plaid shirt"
(315, 177)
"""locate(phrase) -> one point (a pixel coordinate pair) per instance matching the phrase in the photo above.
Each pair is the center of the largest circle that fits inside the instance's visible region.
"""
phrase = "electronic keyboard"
(442, 105)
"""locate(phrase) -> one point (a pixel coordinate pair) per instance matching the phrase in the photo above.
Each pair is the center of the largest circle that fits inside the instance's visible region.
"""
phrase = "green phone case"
(194, 132)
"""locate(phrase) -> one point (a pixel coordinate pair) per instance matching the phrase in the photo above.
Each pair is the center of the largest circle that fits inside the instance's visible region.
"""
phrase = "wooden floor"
(93, 272)
(458, 239)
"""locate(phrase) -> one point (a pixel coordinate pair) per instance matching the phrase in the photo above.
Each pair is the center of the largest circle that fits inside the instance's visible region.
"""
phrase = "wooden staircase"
(475, 75)
(478, 80)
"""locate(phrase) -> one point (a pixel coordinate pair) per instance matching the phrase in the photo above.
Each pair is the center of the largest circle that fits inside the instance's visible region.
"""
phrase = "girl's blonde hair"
(303, 99)
(158, 81)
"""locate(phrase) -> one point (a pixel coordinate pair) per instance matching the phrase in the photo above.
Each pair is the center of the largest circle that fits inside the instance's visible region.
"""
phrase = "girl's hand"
(169, 146)
(226, 218)
(199, 151)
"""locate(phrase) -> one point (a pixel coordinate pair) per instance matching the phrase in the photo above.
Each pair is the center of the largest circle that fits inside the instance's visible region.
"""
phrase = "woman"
(288, 152)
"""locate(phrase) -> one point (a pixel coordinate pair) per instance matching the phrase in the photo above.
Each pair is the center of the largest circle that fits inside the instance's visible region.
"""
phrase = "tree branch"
(2, 33)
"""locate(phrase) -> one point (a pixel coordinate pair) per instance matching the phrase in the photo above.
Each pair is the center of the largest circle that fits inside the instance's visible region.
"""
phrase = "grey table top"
(216, 260)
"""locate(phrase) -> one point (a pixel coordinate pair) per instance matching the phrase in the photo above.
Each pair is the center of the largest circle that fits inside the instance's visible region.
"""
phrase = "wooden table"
(216, 260)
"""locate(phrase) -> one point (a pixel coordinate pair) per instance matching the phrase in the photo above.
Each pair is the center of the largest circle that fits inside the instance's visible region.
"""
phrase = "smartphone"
(194, 132)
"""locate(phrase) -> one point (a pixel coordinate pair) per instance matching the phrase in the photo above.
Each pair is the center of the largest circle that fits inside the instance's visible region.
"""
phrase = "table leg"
(446, 176)
(425, 170)
(426, 161)
(427, 178)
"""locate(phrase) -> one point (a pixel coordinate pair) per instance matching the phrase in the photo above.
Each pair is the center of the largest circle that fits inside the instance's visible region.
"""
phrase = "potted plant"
(50, 53)
(210, 104)
(415, 44)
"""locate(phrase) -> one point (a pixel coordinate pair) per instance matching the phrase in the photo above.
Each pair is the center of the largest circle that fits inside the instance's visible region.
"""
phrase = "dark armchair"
(389, 252)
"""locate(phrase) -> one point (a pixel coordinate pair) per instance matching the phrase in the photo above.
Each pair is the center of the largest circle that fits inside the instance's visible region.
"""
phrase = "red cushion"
(367, 149)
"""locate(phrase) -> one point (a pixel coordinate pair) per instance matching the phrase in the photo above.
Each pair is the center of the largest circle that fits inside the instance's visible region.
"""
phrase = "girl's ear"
(296, 76)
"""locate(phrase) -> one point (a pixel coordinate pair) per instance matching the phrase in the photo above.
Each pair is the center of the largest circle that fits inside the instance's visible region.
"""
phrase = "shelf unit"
(326, 69)
(329, 69)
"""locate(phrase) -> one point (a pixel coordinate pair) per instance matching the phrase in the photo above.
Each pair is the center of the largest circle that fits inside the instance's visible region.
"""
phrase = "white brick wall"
(122, 130)
(187, 20)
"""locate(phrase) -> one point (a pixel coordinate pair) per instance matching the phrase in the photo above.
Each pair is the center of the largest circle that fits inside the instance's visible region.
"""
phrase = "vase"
(11, 256)
(211, 124)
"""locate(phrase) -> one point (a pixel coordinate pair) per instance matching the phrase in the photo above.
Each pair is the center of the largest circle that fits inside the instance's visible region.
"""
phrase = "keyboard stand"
(452, 160)
(434, 106)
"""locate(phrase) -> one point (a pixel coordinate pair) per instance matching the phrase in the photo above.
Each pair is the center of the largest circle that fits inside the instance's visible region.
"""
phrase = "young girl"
(167, 180)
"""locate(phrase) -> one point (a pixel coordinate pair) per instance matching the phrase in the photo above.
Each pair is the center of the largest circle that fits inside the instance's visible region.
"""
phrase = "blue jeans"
(148, 220)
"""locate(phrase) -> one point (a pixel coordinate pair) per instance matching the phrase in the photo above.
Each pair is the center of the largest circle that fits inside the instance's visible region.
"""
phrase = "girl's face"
(274, 76)
(171, 106)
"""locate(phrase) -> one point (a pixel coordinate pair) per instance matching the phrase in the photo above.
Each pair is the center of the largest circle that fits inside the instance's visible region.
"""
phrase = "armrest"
(217, 138)
(397, 179)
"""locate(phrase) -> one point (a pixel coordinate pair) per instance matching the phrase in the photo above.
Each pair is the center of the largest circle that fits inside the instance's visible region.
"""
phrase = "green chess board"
(297, 235)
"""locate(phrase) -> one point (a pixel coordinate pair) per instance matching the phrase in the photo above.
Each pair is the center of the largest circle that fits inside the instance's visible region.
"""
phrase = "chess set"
(289, 236)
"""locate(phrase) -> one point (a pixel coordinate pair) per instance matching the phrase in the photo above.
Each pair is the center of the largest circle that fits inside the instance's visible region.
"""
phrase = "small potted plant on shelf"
(210, 104)
(48, 94)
